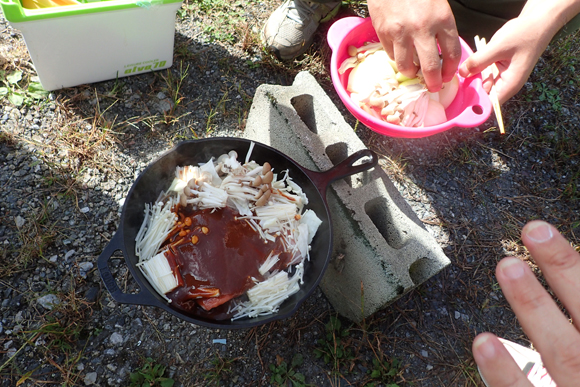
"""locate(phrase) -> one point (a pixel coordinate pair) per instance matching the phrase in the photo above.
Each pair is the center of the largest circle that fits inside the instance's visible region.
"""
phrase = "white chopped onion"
(267, 296)
(159, 273)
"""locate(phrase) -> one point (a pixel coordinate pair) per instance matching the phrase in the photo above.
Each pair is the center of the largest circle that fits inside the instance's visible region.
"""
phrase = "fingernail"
(512, 268)
(539, 232)
(484, 346)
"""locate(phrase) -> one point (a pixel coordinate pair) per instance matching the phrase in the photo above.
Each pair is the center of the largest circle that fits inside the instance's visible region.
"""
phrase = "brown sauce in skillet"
(217, 256)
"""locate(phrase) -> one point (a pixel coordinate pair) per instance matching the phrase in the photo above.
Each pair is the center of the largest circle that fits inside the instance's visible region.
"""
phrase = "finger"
(559, 262)
(487, 84)
(430, 63)
(495, 363)
(388, 46)
(450, 53)
(554, 337)
(403, 56)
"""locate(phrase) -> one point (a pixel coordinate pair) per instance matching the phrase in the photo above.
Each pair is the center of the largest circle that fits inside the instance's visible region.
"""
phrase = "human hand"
(554, 337)
(414, 27)
(515, 48)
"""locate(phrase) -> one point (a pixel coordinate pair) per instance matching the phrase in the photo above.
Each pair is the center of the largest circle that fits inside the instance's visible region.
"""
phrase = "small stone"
(90, 379)
(92, 294)
(109, 352)
(429, 367)
(86, 266)
(19, 221)
(11, 352)
(53, 259)
(424, 353)
(69, 254)
(457, 315)
(49, 301)
(116, 338)
(84, 210)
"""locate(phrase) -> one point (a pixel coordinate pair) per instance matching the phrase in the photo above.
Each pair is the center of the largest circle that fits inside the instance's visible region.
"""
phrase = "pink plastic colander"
(470, 108)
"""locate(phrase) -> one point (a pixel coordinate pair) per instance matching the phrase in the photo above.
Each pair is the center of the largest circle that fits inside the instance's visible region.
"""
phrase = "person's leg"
(485, 17)
(290, 29)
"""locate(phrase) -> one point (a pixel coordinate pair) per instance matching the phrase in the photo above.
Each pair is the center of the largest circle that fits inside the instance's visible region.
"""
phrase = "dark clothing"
(485, 17)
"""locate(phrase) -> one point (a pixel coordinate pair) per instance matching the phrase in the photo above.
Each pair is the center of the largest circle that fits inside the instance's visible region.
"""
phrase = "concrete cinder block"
(381, 249)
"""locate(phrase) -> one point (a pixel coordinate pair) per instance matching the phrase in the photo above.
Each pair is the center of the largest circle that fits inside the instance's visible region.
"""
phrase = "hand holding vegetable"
(515, 49)
(517, 46)
(411, 30)
(554, 337)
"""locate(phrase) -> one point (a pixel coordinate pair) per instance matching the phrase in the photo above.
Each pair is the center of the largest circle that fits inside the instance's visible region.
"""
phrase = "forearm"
(553, 14)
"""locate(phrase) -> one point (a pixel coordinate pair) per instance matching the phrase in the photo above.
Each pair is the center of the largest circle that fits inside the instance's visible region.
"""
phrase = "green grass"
(19, 90)
(151, 374)
(334, 348)
(219, 370)
(284, 374)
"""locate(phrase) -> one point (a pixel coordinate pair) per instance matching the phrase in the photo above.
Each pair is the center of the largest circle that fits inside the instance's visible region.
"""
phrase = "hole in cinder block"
(379, 213)
(420, 270)
(305, 108)
(337, 153)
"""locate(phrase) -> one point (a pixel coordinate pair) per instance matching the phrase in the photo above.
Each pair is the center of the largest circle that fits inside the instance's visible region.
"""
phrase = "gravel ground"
(67, 162)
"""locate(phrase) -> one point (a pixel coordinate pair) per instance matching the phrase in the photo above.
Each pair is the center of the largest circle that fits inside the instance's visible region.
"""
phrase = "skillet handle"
(343, 169)
(141, 298)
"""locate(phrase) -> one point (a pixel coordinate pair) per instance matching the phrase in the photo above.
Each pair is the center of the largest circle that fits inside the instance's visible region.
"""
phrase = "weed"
(185, 10)
(117, 87)
(150, 375)
(35, 235)
(571, 190)
(17, 94)
(60, 337)
(173, 86)
(333, 348)
(221, 106)
(550, 95)
(87, 145)
(384, 372)
(57, 336)
(7, 138)
(219, 370)
(282, 375)
(228, 19)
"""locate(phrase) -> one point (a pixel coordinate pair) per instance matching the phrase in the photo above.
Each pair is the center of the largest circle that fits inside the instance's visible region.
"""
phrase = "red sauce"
(216, 255)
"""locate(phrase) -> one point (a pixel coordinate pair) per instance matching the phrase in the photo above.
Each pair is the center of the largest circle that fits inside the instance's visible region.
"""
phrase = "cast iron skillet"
(158, 177)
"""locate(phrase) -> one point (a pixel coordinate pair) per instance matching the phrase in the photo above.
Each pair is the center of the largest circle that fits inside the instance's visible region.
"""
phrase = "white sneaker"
(290, 29)
(530, 362)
